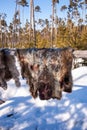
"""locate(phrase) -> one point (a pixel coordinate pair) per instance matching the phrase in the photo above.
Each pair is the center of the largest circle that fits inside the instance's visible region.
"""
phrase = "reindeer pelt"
(47, 71)
(8, 69)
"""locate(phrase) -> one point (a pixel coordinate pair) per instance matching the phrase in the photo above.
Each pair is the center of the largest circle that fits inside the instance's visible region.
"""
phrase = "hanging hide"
(8, 69)
(47, 71)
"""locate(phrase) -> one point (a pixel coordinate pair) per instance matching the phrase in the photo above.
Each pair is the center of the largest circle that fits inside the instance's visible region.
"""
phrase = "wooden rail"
(80, 53)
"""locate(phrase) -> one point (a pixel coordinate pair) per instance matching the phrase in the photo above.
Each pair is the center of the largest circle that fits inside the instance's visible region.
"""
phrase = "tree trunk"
(32, 23)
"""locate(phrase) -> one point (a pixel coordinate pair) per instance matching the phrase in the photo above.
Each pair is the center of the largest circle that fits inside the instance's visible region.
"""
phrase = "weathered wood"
(80, 53)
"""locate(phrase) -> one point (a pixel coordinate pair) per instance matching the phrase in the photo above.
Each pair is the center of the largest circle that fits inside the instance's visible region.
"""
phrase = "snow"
(22, 112)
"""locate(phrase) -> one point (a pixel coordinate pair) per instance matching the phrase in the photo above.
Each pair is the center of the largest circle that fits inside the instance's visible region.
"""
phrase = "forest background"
(69, 29)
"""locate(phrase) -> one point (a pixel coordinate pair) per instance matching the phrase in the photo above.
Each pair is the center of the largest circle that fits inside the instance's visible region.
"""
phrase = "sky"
(22, 112)
(8, 7)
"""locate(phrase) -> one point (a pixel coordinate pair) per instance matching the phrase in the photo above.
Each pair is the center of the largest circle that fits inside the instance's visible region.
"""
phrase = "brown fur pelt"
(47, 71)
(1, 101)
(8, 69)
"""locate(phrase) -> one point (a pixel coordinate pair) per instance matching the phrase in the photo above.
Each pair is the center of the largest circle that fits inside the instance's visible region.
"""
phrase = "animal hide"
(47, 71)
(8, 69)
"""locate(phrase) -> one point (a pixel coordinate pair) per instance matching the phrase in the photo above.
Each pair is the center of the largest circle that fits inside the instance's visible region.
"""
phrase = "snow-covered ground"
(22, 112)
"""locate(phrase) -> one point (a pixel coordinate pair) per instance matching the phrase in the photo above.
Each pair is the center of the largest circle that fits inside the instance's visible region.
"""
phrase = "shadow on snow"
(23, 113)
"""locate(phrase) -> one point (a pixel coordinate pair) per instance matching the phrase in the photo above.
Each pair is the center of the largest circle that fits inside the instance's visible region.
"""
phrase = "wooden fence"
(80, 53)
(80, 58)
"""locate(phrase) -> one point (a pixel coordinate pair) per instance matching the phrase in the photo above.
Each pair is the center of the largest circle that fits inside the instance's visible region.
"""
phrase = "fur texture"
(47, 71)
(8, 69)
